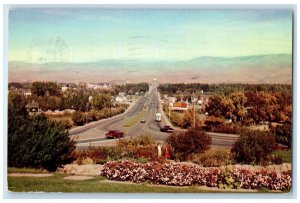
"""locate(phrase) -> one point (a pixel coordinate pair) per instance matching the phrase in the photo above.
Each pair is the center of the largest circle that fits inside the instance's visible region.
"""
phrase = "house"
(121, 99)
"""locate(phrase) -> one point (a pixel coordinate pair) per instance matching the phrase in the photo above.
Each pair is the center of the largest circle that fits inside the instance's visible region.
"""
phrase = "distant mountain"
(249, 69)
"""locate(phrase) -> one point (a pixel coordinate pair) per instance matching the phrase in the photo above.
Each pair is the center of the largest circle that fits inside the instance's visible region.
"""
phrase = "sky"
(88, 35)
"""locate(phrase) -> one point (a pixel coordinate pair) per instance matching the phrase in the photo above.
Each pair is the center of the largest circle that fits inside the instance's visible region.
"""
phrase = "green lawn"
(56, 183)
(286, 155)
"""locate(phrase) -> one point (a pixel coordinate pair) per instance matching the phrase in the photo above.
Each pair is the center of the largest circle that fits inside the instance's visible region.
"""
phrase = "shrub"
(67, 122)
(186, 143)
(253, 147)
(213, 157)
(44, 144)
(276, 159)
(142, 140)
(283, 134)
(78, 118)
(228, 180)
(84, 161)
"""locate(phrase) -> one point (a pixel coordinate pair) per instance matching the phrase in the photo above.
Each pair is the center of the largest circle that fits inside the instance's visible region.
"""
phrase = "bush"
(78, 118)
(213, 157)
(67, 122)
(45, 144)
(253, 147)
(283, 134)
(142, 140)
(186, 143)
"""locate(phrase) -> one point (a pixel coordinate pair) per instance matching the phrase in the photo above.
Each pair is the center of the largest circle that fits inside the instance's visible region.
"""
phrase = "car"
(114, 134)
(143, 120)
(166, 129)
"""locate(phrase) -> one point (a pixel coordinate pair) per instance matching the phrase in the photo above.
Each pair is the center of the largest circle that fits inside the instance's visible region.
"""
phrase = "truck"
(158, 117)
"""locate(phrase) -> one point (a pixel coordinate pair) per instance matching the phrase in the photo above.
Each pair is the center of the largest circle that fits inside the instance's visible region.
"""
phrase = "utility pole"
(194, 110)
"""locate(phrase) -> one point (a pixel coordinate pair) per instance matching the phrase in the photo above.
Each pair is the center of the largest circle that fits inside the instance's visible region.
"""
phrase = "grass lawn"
(286, 155)
(56, 183)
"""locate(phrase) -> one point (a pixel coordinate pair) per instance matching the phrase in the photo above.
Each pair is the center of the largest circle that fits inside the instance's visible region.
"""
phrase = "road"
(147, 106)
(94, 133)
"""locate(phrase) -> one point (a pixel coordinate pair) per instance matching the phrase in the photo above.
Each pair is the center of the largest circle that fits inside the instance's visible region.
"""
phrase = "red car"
(114, 134)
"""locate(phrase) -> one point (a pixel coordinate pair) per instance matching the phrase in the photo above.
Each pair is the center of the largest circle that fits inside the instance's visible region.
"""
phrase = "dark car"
(114, 134)
(143, 120)
(166, 129)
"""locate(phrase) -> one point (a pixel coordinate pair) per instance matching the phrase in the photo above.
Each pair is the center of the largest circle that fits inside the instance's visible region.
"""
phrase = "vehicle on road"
(158, 117)
(166, 129)
(114, 134)
(143, 120)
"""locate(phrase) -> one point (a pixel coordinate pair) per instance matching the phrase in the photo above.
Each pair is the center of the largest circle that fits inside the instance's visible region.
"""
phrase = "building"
(178, 106)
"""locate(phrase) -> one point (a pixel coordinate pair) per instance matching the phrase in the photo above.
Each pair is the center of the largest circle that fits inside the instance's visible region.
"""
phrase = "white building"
(121, 99)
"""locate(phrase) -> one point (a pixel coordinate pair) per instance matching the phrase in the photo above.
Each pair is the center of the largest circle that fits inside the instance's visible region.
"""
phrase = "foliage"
(286, 155)
(228, 180)
(78, 118)
(188, 120)
(283, 134)
(186, 143)
(142, 140)
(213, 157)
(45, 89)
(224, 89)
(141, 148)
(35, 141)
(252, 146)
(101, 101)
(180, 174)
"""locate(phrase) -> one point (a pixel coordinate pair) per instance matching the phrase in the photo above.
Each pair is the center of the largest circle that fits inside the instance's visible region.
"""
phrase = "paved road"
(94, 134)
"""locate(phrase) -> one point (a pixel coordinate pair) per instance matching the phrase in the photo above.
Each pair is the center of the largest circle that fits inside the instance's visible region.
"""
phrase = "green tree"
(239, 100)
(45, 89)
(186, 143)
(101, 101)
(18, 121)
(253, 146)
(34, 141)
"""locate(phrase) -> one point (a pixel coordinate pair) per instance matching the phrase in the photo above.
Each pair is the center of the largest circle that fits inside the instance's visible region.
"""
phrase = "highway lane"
(95, 134)
(98, 129)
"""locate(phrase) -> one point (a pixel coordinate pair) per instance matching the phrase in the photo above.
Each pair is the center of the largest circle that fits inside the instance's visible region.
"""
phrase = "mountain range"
(247, 69)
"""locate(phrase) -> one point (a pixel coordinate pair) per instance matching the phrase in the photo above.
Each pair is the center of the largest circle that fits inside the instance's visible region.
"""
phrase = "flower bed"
(182, 174)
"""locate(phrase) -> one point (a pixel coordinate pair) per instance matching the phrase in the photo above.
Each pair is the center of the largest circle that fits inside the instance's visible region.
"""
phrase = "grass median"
(131, 121)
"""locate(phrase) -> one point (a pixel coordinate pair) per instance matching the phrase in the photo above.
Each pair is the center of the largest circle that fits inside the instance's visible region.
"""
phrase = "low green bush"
(192, 141)
(213, 157)
(253, 147)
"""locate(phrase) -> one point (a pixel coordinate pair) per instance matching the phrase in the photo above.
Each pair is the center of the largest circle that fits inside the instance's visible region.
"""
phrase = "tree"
(220, 106)
(18, 121)
(45, 88)
(101, 101)
(253, 146)
(188, 120)
(239, 100)
(34, 141)
(48, 145)
(186, 143)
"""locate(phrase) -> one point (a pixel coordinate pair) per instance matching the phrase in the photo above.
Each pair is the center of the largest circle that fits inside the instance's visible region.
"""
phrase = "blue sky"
(86, 35)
